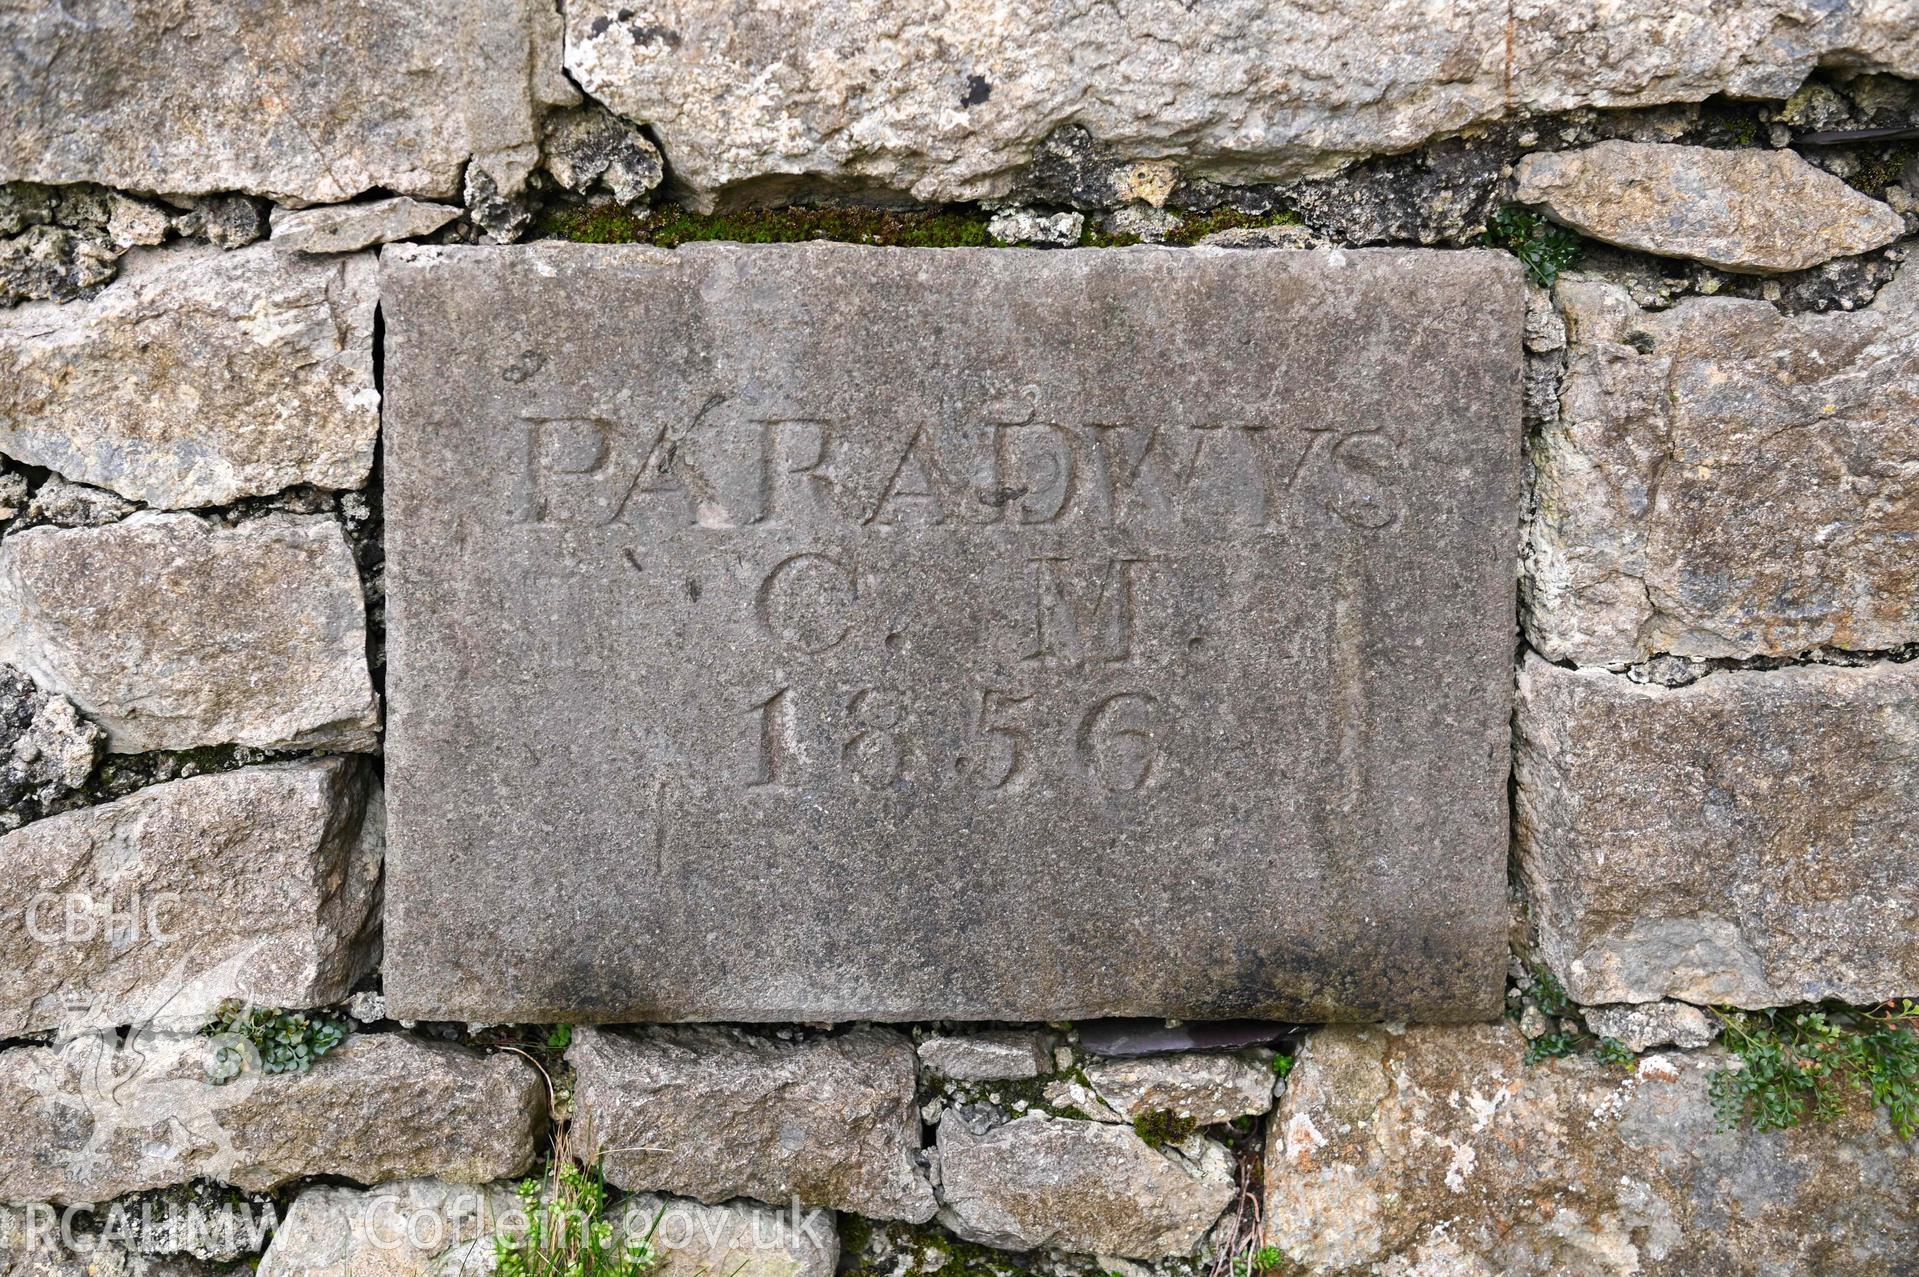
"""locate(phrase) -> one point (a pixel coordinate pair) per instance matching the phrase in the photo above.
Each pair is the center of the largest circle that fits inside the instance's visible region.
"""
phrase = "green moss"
(1880, 167)
(671, 227)
(1160, 1128)
(868, 1249)
(929, 228)
(1024, 1095)
(1193, 228)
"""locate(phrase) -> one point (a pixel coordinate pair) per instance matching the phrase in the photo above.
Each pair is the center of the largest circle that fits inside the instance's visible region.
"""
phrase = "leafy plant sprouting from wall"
(1800, 1064)
(287, 1041)
(1542, 247)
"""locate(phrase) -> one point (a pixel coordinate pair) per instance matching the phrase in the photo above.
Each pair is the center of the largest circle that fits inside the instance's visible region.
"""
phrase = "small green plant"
(560, 1038)
(1267, 1258)
(1800, 1064)
(1550, 995)
(1543, 248)
(1553, 1046)
(567, 1233)
(287, 1041)
(1283, 1065)
(1159, 1128)
(1615, 1054)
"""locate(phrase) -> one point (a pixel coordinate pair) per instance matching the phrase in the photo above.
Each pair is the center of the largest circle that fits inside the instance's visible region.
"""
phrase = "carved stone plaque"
(819, 632)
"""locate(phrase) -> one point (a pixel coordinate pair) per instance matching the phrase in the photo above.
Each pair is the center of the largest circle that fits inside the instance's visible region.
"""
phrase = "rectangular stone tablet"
(822, 633)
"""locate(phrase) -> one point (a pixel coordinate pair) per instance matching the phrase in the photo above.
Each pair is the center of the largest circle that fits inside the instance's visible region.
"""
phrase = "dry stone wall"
(211, 219)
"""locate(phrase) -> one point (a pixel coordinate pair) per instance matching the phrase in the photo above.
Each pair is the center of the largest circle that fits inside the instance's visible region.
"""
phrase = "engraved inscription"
(820, 633)
(724, 470)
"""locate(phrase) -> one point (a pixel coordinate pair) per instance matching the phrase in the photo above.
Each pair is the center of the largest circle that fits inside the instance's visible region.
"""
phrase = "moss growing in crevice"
(1158, 1128)
(670, 227)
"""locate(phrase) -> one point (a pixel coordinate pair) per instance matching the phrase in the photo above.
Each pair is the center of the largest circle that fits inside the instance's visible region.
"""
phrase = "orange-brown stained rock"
(1438, 1150)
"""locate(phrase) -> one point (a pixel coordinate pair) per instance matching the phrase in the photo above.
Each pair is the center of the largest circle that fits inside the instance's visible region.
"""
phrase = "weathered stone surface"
(46, 749)
(343, 228)
(171, 632)
(1203, 1087)
(199, 377)
(988, 1057)
(1080, 1186)
(716, 1114)
(1026, 635)
(1263, 237)
(1726, 480)
(200, 1219)
(73, 505)
(948, 102)
(1747, 839)
(95, 1118)
(64, 242)
(256, 884)
(415, 1228)
(337, 100)
(592, 150)
(1639, 1028)
(1754, 211)
(45, 262)
(225, 221)
(1439, 1151)
(738, 1239)
(33, 1245)
(1024, 226)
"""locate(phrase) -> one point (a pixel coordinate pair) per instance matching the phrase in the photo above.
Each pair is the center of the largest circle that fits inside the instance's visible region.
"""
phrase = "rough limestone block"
(96, 1118)
(257, 884)
(342, 228)
(716, 1114)
(171, 632)
(988, 1057)
(1438, 1150)
(1726, 480)
(1203, 1087)
(302, 100)
(947, 102)
(737, 1239)
(415, 1228)
(199, 377)
(1751, 838)
(1080, 1186)
(1087, 632)
(1753, 211)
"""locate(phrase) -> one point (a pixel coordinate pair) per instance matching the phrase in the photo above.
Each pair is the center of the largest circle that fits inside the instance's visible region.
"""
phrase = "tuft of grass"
(286, 1041)
(670, 227)
(566, 1232)
(1542, 247)
(1796, 1065)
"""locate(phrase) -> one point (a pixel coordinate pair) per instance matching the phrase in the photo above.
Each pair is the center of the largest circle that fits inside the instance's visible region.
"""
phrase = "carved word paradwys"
(726, 471)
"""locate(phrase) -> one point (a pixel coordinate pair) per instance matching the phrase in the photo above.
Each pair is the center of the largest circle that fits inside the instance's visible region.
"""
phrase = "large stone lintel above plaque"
(819, 632)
